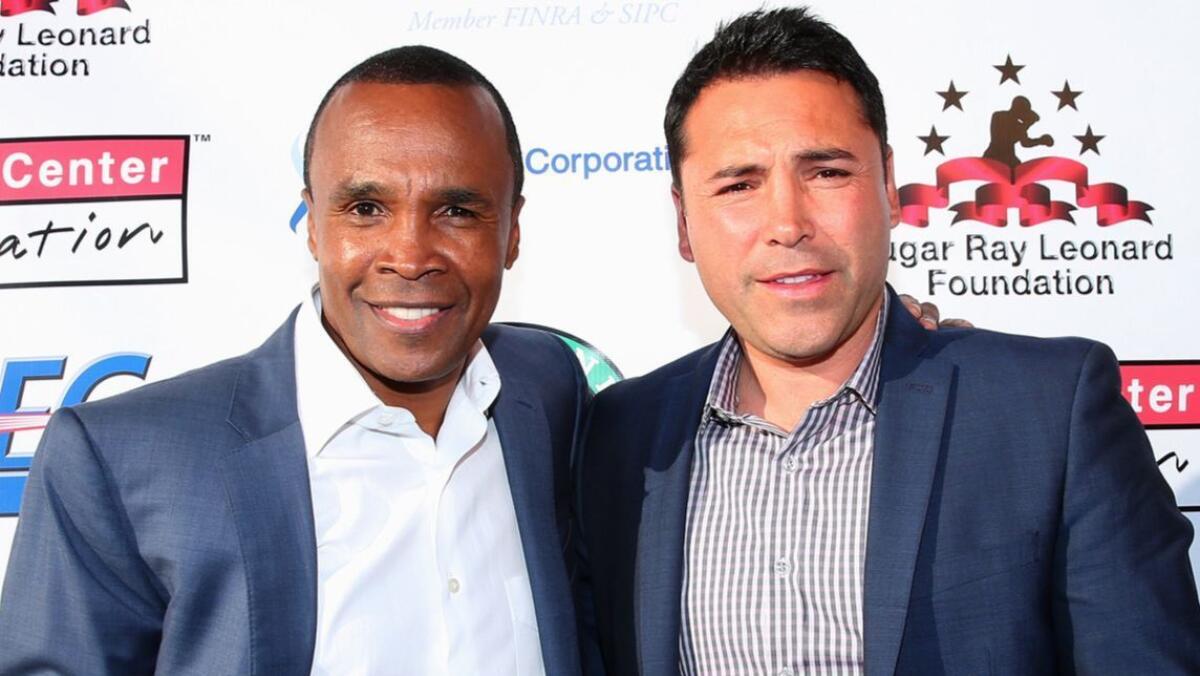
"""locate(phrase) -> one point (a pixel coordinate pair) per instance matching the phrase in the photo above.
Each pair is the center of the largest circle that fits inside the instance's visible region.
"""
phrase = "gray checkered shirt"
(777, 531)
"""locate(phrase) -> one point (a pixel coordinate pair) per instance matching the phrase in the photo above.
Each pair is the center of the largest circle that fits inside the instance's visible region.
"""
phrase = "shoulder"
(535, 355)
(644, 393)
(201, 397)
(993, 351)
(201, 392)
(1025, 376)
(523, 345)
(169, 428)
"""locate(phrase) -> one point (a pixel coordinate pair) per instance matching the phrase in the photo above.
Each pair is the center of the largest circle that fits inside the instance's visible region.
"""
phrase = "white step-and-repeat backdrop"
(150, 180)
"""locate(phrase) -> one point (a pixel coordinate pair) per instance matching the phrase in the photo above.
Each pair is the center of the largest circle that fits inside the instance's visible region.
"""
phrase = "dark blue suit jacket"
(171, 527)
(1018, 521)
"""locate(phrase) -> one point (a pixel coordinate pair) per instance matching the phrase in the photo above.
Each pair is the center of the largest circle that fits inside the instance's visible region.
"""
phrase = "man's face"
(412, 224)
(786, 209)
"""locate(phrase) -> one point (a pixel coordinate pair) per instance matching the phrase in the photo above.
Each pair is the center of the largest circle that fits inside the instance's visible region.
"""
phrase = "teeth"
(410, 313)
(798, 279)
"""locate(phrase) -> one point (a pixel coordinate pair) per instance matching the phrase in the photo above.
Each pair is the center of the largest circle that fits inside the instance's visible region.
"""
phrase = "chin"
(416, 373)
(805, 348)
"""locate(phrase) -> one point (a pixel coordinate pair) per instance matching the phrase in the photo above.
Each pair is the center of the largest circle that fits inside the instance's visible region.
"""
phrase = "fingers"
(929, 310)
(930, 316)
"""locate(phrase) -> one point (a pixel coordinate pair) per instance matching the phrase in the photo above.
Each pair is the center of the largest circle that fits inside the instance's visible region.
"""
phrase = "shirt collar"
(331, 393)
(863, 383)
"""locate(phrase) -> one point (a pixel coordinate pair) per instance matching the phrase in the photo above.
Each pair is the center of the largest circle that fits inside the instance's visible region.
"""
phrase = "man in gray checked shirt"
(830, 489)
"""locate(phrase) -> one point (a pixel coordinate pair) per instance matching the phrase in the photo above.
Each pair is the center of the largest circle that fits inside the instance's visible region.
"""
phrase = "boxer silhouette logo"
(1012, 181)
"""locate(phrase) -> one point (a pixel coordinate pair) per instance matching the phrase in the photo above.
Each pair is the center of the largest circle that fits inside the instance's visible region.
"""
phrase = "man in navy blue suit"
(830, 489)
(381, 487)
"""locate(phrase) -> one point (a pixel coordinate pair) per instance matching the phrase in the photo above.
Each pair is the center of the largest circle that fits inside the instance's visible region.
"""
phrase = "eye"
(455, 211)
(832, 173)
(734, 187)
(366, 209)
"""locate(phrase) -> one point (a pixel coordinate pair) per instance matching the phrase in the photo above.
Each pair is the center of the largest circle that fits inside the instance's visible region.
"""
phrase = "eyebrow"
(461, 195)
(814, 155)
(736, 171)
(366, 190)
(825, 155)
(353, 191)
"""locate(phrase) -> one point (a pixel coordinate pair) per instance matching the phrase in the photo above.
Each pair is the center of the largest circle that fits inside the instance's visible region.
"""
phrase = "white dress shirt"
(419, 561)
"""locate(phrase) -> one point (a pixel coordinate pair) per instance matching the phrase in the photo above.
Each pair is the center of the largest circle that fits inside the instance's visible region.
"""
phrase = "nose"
(410, 247)
(790, 218)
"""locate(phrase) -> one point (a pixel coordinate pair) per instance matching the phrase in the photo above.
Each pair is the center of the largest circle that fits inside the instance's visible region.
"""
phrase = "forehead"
(372, 125)
(802, 106)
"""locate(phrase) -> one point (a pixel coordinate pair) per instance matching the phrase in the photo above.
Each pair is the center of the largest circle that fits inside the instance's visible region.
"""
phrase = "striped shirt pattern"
(776, 531)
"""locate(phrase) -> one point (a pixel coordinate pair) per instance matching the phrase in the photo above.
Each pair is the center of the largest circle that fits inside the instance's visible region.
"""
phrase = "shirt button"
(791, 464)
(783, 567)
(453, 585)
(386, 419)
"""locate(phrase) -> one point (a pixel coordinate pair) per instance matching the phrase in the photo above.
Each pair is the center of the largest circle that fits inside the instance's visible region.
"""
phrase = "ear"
(514, 234)
(685, 245)
(893, 195)
(311, 223)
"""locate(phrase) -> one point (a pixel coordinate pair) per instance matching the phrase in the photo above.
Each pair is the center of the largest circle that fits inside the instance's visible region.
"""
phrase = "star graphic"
(1089, 141)
(952, 97)
(1066, 97)
(1009, 71)
(933, 141)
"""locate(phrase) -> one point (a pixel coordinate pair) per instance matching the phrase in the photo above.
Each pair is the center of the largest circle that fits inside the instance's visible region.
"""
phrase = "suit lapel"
(908, 439)
(267, 483)
(529, 460)
(658, 574)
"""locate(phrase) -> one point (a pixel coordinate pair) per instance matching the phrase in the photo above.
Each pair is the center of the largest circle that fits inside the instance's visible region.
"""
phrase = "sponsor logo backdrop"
(149, 181)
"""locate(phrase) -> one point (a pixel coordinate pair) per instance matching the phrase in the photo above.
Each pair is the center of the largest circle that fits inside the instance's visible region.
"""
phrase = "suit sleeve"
(77, 597)
(1125, 599)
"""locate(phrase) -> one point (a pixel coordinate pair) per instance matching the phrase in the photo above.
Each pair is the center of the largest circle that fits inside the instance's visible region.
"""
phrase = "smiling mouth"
(805, 284)
(410, 313)
(412, 319)
(797, 279)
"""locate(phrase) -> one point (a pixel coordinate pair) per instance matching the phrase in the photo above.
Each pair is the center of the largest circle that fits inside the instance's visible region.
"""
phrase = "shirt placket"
(459, 593)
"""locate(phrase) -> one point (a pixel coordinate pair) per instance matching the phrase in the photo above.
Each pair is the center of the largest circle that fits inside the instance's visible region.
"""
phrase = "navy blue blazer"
(171, 527)
(1018, 521)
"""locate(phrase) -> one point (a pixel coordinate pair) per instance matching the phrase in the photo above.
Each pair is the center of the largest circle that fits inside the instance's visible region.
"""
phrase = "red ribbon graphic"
(22, 422)
(15, 7)
(1020, 189)
(87, 7)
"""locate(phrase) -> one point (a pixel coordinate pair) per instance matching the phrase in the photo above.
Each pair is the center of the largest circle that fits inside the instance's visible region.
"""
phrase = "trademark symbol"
(201, 138)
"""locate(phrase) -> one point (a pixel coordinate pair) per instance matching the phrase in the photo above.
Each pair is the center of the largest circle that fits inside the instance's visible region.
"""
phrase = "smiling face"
(412, 223)
(785, 206)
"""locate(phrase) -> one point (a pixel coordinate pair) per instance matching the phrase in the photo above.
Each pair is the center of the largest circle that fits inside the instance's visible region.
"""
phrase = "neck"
(426, 400)
(781, 391)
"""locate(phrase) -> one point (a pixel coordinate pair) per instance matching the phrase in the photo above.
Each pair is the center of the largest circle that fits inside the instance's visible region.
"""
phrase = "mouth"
(798, 284)
(410, 319)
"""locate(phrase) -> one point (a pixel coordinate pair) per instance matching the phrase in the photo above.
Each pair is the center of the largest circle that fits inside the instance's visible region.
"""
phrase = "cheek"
(479, 260)
(342, 267)
(861, 231)
(342, 253)
(723, 235)
(720, 259)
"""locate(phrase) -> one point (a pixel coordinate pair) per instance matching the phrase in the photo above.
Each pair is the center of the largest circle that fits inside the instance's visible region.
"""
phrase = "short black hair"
(772, 42)
(420, 64)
